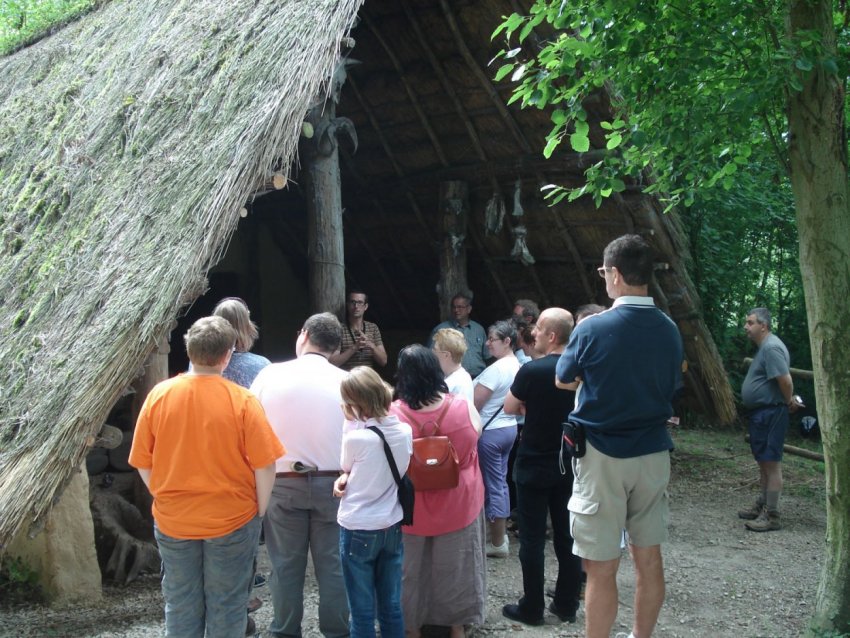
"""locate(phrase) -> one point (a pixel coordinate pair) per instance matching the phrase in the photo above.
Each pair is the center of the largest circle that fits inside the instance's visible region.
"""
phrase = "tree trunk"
(454, 213)
(323, 189)
(819, 179)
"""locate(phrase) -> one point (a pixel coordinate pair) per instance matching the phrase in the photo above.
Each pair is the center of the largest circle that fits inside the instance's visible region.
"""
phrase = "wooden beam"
(453, 210)
(414, 100)
(379, 268)
(391, 156)
(795, 372)
(797, 451)
(450, 91)
(483, 80)
(442, 77)
(381, 216)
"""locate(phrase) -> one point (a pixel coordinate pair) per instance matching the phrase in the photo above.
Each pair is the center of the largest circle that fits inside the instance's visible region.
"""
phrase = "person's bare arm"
(572, 385)
(340, 485)
(480, 395)
(265, 482)
(514, 405)
(341, 357)
(474, 417)
(380, 354)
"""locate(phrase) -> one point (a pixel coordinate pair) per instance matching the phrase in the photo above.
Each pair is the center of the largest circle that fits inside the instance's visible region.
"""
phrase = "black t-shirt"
(546, 408)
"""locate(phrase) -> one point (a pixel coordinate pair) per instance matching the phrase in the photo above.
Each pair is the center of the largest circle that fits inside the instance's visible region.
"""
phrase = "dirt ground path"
(722, 581)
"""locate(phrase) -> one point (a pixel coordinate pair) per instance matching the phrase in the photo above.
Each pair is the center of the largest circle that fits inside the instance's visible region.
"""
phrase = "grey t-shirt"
(760, 387)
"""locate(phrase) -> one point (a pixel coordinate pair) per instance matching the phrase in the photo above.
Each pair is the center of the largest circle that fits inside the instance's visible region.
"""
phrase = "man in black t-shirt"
(542, 488)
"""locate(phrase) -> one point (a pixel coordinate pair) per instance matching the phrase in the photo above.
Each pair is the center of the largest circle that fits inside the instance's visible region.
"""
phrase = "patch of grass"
(25, 21)
(18, 582)
(723, 458)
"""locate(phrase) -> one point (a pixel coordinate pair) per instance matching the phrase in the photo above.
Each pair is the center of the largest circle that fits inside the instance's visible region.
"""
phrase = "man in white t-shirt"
(303, 404)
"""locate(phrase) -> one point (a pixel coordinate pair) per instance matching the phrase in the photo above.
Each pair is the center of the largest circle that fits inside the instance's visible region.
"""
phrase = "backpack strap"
(389, 454)
(442, 412)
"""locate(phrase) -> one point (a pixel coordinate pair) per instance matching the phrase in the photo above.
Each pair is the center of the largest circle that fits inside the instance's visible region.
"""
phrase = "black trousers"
(535, 501)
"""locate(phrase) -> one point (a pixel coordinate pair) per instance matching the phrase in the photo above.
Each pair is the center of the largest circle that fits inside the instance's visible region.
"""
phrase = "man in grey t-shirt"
(768, 395)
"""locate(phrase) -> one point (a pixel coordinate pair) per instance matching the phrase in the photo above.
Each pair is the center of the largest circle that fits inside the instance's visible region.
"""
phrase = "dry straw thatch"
(128, 143)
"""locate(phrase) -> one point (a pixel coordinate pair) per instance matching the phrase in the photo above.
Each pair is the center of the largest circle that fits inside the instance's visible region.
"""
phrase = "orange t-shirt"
(202, 437)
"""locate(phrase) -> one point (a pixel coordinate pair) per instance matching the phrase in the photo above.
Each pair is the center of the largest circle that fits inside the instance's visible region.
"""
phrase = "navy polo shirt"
(630, 360)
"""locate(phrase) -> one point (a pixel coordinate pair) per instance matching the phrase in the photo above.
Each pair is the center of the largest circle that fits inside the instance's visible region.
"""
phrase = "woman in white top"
(450, 346)
(489, 391)
(369, 515)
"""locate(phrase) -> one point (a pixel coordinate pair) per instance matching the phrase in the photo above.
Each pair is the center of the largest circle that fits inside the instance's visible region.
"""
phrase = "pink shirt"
(442, 511)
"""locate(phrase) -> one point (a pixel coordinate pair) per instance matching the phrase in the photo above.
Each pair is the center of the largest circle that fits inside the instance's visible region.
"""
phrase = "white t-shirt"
(460, 383)
(370, 499)
(498, 377)
(303, 404)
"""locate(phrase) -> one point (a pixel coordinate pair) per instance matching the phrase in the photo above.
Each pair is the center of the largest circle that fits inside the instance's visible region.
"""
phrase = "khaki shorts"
(610, 494)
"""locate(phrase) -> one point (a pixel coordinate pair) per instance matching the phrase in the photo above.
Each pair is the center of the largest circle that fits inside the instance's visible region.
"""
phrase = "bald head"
(552, 330)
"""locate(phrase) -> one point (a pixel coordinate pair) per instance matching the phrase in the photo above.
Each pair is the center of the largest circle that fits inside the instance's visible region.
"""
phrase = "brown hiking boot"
(751, 513)
(766, 522)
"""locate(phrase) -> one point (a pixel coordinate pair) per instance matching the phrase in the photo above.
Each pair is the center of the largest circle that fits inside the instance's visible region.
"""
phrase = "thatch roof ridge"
(128, 143)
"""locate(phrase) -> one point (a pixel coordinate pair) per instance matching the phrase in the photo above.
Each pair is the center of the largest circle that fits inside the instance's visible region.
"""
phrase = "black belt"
(305, 474)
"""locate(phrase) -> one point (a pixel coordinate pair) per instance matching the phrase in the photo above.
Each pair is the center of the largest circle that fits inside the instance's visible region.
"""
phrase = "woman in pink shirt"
(444, 573)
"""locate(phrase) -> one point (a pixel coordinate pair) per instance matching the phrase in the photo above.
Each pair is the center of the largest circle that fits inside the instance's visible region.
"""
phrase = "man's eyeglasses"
(356, 302)
(603, 269)
(459, 307)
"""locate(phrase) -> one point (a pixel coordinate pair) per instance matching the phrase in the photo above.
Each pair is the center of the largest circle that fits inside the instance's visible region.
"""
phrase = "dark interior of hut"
(420, 94)
(426, 111)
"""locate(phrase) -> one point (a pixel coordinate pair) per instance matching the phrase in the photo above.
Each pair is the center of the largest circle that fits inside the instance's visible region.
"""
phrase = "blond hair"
(365, 394)
(451, 341)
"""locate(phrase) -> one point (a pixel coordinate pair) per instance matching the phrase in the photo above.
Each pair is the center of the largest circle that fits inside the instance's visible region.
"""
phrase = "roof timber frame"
(485, 165)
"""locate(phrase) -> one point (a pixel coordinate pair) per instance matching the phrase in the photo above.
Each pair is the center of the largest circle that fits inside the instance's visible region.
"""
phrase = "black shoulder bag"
(406, 494)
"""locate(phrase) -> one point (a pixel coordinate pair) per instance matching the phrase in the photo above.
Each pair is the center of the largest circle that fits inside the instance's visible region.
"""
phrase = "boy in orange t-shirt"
(205, 450)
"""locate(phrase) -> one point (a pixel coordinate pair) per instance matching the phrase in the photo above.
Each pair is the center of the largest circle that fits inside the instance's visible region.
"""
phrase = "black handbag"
(406, 494)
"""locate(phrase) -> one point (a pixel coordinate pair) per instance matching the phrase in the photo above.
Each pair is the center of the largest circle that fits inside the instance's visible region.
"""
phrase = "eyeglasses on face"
(459, 307)
(603, 269)
(356, 302)
(495, 338)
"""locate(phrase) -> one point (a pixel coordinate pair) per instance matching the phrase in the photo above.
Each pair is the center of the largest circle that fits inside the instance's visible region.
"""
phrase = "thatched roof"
(130, 140)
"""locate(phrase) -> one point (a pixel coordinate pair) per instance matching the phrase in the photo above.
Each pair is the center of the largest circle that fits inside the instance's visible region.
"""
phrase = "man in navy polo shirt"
(630, 360)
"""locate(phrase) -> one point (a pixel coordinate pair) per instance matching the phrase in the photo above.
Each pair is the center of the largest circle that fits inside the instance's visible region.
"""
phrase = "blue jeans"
(205, 582)
(372, 566)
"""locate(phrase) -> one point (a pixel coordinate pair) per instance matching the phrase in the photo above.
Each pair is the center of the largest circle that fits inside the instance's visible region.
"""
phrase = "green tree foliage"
(730, 107)
(698, 95)
(23, 21)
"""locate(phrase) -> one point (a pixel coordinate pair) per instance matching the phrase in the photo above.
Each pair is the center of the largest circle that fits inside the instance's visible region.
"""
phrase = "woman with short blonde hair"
(450, 346)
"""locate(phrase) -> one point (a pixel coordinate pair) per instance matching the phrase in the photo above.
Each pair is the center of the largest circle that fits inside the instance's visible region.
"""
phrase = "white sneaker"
(498, 551)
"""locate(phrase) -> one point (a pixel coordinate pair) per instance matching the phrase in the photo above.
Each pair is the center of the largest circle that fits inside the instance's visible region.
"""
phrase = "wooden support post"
(319, 153)
(454, 215)
(323, 189)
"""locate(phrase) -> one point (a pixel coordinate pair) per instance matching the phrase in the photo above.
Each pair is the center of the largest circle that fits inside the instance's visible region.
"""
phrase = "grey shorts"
(611, 494)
